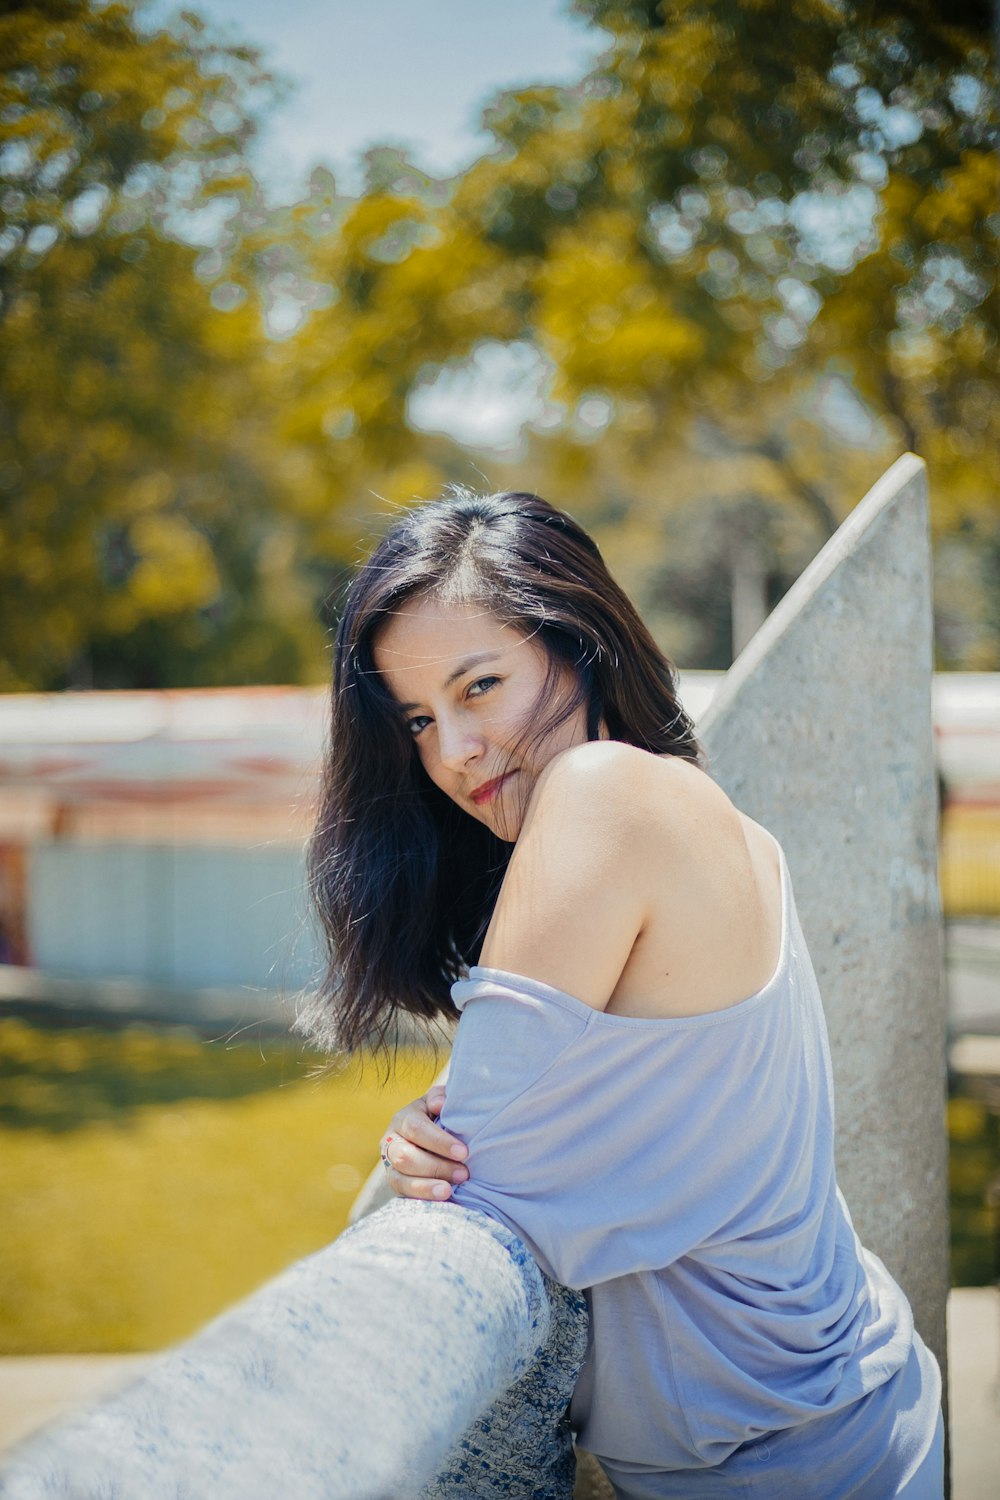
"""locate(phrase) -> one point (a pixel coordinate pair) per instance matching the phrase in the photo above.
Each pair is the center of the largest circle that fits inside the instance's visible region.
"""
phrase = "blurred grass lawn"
(150, 1178)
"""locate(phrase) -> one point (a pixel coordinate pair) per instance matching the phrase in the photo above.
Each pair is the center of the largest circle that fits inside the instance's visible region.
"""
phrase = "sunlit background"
(697, 272)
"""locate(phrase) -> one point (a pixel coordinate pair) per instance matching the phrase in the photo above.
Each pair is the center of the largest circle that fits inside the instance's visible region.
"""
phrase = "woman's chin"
(505, 824)
(503, 813)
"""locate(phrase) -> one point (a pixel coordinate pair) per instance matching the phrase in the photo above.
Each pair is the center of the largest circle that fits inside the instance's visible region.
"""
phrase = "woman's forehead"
(427, 635)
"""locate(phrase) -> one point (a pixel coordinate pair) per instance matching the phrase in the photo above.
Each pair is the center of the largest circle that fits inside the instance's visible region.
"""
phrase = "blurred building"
(157, 836)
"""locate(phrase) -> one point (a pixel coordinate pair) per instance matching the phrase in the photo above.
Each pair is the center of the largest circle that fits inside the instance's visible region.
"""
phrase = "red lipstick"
(489, 789)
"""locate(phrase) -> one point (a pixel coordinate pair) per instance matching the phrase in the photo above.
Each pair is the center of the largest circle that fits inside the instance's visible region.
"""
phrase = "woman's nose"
(457, 745)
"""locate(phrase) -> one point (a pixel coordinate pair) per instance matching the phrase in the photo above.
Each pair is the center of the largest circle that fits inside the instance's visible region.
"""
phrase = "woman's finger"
(417, 1187)
(434, 1098)
(408, 1160)
(414, 1125)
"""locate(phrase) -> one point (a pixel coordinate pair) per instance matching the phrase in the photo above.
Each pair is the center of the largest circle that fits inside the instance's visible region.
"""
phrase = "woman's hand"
(421, 1158)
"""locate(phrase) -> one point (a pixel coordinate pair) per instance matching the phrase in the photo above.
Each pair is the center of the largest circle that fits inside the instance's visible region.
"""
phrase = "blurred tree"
(755, 249)
(140, 534)
(728, 276)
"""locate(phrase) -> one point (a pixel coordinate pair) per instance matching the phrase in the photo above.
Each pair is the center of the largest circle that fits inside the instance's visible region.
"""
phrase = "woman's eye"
(482, 685)
(417, 723)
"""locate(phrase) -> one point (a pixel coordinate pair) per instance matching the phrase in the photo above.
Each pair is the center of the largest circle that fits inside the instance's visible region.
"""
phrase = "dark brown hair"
(404, 880)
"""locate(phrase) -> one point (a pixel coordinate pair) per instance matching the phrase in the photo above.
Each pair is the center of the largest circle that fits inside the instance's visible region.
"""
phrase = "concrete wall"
(822, 732)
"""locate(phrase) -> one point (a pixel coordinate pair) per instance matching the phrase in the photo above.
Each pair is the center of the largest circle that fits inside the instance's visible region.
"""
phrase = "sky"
(396, 72)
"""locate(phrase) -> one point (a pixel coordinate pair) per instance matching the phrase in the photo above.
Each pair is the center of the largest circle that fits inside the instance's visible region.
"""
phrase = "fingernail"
(441, 1190)
(459, 1174)
(459, 1151)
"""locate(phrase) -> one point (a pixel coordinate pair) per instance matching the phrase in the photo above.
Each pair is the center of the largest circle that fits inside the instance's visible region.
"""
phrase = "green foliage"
(674, 237)
(138, 491)
(755, 249)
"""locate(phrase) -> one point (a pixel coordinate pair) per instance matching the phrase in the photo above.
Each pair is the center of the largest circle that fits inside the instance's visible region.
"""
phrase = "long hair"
(404, 881)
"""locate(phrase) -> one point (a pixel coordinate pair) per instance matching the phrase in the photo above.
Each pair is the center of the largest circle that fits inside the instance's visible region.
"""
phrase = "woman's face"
(471, 690)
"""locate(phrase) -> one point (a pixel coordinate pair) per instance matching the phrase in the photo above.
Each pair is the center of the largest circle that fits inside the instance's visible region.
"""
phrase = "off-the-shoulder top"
(681, 1171)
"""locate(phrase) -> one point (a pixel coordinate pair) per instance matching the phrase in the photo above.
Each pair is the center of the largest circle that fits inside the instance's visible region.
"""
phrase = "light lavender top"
(682, 1171)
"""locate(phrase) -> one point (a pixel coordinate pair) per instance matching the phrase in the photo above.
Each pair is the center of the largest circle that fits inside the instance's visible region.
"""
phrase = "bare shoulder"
(585, 809)
(606, 785)
(611, 776)
(573, 899)
(613, 838)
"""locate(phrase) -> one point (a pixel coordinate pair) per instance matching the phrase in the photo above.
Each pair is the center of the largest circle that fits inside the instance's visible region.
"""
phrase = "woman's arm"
(577, 890)
(580, 828)
(557, 865)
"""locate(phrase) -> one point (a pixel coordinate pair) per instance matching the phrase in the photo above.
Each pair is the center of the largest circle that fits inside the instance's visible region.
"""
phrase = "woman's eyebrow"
(465, 665)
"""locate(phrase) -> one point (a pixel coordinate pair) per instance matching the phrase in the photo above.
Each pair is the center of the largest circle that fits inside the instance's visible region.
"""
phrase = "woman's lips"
(489, 789)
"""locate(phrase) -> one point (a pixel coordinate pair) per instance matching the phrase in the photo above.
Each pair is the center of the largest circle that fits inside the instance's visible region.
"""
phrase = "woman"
(641, 1070)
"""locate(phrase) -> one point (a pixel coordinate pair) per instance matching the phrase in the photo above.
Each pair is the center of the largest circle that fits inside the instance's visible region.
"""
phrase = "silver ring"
(384, 1153)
